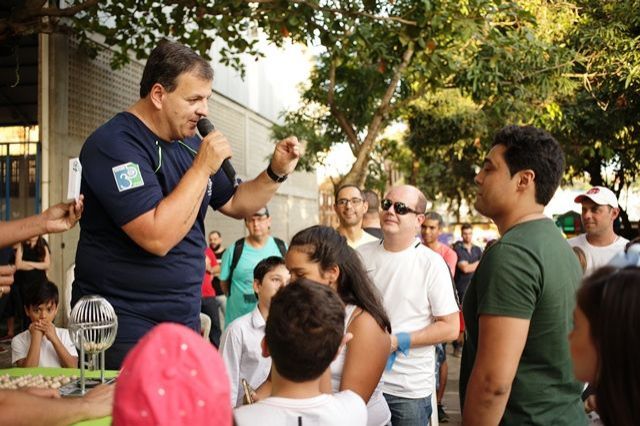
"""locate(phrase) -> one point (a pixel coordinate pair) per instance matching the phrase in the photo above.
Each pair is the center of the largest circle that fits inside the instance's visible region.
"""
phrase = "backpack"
(237, 252)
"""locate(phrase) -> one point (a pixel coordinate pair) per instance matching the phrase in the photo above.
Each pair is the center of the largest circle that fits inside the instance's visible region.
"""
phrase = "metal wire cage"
(92, 325)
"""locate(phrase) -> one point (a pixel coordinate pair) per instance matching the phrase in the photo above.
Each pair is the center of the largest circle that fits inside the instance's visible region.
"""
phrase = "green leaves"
(456, 71)
(600, 122)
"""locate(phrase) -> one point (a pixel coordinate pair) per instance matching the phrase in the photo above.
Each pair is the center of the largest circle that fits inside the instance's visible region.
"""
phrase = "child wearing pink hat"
(172, 377)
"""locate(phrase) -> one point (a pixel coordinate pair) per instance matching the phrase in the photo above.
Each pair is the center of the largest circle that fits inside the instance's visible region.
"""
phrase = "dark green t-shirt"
(530, 273)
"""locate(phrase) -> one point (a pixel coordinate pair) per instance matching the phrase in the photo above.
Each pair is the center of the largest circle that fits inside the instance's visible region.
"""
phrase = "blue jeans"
(441, 357)
(211, 306)
(409, 411)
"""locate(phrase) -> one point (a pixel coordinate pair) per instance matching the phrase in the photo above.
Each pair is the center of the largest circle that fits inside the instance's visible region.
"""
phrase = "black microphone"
(205, 127)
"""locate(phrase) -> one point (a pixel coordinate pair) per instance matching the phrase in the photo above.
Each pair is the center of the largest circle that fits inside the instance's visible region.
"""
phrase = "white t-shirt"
(364, 239)
(48, 357)
(242, 354)
(416, 286)
(597, 256)
(340, 409)
(378, 413)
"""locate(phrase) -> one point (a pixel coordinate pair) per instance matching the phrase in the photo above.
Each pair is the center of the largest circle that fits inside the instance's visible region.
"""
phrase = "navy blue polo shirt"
(126, 171)
(462, 280)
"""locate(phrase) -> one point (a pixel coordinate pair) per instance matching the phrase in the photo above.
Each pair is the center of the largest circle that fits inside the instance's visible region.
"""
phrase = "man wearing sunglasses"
(350, 208)
(417, 291)
(516, 368)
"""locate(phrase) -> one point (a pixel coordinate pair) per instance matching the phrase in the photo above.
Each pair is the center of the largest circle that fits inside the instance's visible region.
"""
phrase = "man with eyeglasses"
(350, 208)
(417, 292)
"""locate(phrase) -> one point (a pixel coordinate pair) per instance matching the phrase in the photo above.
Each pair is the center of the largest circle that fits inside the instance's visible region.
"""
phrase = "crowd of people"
(340, 326)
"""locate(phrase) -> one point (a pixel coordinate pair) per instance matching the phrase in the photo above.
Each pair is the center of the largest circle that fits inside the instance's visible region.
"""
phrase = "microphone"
(205, 127)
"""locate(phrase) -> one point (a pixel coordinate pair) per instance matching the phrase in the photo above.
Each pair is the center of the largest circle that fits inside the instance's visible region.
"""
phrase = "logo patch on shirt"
(127, 176)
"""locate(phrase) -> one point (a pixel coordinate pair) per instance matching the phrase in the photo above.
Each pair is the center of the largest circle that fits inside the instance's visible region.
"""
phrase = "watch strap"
(274, 177)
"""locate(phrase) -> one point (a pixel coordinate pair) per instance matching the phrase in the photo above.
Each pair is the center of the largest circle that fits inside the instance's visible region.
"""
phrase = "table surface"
(63, 372)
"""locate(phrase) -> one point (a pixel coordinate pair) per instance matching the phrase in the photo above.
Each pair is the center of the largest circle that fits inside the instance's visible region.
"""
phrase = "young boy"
(303, 334)
(240, 342)
(43, 344)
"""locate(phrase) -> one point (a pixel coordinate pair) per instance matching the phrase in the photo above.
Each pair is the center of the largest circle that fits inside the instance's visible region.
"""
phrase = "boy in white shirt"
(43, 344)
(303, 334)
(240, 343)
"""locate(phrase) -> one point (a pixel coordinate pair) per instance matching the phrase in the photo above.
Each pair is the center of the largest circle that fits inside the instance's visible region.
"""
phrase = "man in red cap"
(599, 243)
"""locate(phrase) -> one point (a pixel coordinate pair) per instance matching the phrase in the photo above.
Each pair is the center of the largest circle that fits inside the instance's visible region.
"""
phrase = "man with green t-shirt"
(236, 271)
(516, 367)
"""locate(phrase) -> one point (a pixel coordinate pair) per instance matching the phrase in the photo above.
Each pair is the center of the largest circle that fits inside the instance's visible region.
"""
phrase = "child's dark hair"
(610, 299)
(304, 329)
(265, 266)
(41, 294)
(327, 247)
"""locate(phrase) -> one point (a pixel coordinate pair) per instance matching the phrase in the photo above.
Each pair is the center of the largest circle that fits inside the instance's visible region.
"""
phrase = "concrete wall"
(84, 93)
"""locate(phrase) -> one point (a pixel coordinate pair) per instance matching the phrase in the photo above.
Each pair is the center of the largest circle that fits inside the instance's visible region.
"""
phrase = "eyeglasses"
(257, 218)
(342, 202)
(399, 207)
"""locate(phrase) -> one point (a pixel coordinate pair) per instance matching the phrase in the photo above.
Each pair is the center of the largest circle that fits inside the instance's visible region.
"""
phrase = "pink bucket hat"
(172, 377)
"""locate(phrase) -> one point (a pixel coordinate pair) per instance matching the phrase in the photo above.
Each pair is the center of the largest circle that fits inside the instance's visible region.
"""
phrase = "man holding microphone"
(147, 180)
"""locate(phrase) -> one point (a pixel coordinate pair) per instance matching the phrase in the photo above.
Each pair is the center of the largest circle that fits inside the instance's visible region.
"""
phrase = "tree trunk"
(594, 168)
(626, 231)
(358, 173)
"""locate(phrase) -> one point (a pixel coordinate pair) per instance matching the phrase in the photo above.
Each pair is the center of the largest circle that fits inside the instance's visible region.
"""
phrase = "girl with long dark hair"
(605, 341)
(321, 254)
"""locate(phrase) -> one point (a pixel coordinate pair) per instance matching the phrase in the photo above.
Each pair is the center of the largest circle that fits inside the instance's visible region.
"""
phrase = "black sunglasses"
(399, 207)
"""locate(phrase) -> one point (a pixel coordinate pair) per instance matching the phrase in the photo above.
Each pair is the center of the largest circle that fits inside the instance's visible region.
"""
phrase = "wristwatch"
(274, 177)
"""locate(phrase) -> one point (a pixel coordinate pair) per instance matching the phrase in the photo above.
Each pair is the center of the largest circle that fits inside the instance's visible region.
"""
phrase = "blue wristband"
(404, 341)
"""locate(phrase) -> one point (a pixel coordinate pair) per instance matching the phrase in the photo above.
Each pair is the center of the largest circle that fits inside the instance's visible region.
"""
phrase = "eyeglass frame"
(344, 202)
(398, 206)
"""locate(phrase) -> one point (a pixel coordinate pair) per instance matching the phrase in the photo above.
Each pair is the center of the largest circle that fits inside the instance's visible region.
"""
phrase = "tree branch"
(69, 11)
(352, 138)
(334, 11)
(357, 173)
(28, 18)
(383, 108)
(408, 100)
(585, 75)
